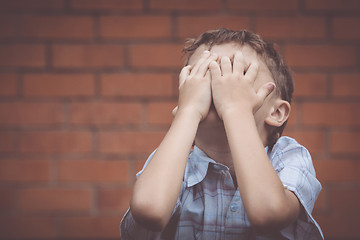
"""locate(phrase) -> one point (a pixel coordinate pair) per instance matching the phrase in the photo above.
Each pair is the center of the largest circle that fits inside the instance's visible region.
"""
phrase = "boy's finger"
(265, 90)
(203, 69)
(239, 64)
(205, 55)
(214, 69)
(183, 74)
(252, 71)
(225, 65)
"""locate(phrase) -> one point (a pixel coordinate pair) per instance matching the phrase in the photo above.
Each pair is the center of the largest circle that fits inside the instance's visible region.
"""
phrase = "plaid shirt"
(210, 207)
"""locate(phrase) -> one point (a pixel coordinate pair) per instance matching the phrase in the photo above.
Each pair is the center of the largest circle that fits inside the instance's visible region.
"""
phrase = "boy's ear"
(279, 113)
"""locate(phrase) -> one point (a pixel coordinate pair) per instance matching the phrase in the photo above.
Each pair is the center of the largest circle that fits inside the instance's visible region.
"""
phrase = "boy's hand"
(233, 85)
(195, 87)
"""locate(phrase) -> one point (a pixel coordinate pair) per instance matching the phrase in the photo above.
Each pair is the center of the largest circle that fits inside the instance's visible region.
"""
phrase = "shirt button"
(234, 207)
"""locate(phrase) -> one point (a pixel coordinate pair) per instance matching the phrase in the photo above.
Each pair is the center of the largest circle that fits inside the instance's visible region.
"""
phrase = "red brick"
(7, 25)
(129, 142)
(7, 141)
(139, 165)
(262, 5)
(320, 56)
(339, 226)
(338, 170)
(293, 118)
(104, 113)
(106, 4)
(320, 204)
(336, 5)
(7, 200)
(55, 142)
(91, 227)
(49, 199)
(114, 199)
(129, 27)
(25, 114)
(96, 171)
(8, 85)
(58, 85)
(25, 171)
(188, 5)
(345, 28)
(310, 85)
(28, 227)
(30, 5)
(345, 201)
(312, 140)
(346, 85)
(57, 27)
(159, 113)
(156, 55)
(136, 85)
(88, 56)
(331, 114)
(345, 142)
(22, 55)
(187, 28)
(291, 27)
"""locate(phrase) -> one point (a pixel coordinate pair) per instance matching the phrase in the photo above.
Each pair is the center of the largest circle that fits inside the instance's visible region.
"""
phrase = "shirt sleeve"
(129, 229)
(294, 166)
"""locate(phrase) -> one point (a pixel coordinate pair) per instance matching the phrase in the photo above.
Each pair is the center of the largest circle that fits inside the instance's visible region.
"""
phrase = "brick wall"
(87, 87)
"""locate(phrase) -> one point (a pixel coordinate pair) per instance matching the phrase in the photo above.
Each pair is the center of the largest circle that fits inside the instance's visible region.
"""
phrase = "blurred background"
(87, 88)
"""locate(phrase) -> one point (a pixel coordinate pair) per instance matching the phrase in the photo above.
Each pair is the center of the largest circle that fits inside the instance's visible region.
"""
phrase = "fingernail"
(206, 52)
(271, 86)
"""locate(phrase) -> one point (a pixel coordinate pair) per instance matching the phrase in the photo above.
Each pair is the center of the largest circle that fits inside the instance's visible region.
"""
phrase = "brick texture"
(136, 85)
(87, 88)
(56, 27)
(8, 85)
(42, 199)
(55, 142)
(58, 85)
(133, 27)
(88, 56)
(22, 55)
(110, 5)
(291, 27)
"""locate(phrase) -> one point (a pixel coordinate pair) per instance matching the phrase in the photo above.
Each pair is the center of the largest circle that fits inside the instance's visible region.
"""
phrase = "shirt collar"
(197, 167)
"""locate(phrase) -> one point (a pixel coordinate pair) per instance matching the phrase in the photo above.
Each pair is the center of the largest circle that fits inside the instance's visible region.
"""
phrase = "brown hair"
(279, 70)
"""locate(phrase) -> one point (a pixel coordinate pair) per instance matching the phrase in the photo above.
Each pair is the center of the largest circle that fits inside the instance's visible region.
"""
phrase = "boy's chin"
(212, 117)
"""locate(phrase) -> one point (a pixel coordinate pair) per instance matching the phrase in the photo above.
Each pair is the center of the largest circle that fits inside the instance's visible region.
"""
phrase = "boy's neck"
(215, 145)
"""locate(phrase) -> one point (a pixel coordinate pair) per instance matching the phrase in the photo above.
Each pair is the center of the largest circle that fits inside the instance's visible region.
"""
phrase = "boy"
(241, 180)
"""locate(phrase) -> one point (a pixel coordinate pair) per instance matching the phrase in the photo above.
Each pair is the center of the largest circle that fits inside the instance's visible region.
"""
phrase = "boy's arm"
(157, 189)
(268, 205)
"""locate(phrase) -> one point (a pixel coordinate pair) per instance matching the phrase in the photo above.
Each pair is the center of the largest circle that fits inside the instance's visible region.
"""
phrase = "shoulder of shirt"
(285, 144)
(287, 151)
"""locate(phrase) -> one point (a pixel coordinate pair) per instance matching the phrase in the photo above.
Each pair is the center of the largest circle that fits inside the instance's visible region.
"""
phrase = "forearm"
(265, 200)
(157, 189)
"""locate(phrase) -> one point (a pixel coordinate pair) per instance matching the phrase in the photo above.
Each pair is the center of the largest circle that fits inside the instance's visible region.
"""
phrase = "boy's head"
(279, 72)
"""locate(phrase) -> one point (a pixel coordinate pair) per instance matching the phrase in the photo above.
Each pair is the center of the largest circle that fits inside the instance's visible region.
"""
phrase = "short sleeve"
(294, 167)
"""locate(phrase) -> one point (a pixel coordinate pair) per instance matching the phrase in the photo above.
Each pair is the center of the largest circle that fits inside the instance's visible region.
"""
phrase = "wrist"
(189, 113)
(237, 111)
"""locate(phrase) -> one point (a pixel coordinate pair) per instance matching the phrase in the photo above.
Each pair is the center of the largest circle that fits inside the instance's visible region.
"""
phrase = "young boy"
(240, 180)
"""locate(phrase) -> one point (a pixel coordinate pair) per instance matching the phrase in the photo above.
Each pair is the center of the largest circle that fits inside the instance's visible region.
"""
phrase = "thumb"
(174, 111)
(265, 90)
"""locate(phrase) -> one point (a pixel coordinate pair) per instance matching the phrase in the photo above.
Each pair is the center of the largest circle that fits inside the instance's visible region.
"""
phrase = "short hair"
(279, 70)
